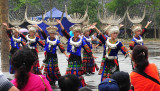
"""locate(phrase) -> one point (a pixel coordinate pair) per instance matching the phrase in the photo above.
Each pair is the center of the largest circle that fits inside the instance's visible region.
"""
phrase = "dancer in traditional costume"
(113, 46)
(137, 30)
(51, 61)
(75, 44)
(32, 42)
(105, 29)
(88, 61)
(16, 43)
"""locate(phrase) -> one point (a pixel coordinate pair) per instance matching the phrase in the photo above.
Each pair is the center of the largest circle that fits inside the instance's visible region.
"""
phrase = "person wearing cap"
(138, 33)
(32, 41)
(88, 61)
(75, 44)
(113, 46)
(51, 61)
(16, 42)
(108, 85)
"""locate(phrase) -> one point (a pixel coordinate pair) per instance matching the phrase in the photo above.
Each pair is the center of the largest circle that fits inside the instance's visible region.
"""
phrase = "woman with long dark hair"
(25, 80)
(142, 66)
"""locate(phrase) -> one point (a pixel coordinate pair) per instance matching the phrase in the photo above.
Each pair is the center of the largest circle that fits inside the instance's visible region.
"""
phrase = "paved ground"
(94, 80)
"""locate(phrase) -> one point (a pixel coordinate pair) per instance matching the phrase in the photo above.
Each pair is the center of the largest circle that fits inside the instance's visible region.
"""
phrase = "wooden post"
(4, 38)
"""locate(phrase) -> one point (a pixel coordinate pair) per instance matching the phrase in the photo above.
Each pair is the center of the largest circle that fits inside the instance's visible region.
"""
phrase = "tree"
(155, 5)
(4, 39)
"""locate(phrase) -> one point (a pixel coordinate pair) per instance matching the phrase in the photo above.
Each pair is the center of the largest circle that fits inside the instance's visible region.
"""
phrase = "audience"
(123, 80)
(69, 83)
(22, 61)
(108, 85)
(142, 65)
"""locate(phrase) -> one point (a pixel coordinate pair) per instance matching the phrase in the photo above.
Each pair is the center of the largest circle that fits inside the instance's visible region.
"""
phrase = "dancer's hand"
(5, 24)
(36, 25)
(58, 21)
(121, 25)
(92, 27)
(149, 22)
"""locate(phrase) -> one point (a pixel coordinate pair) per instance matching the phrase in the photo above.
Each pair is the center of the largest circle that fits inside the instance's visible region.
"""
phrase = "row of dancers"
(76, 64)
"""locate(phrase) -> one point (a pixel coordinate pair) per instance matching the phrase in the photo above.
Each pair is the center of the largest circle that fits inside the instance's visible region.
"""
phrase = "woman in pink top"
(25, 80)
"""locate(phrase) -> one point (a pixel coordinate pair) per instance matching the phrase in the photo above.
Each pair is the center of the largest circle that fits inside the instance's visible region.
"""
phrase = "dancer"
(105, 29)
(51, 61)
(16, 43)
(138, 34)
(137, 31)
(75, 44)
(111, 64)
(88, 61)
(32, 42)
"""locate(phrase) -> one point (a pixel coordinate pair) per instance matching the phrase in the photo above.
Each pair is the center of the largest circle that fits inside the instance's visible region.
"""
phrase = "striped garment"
(5, 84)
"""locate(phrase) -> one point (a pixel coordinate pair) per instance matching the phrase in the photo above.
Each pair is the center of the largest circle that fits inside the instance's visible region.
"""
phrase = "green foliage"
(121, 5)
(21, 3)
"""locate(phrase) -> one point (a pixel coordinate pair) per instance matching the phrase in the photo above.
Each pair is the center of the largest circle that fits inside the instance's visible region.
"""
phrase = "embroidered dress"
(88, 61)
(75, 65)
(15, 45)
(111, 64)
(32, 44)
(51, 70)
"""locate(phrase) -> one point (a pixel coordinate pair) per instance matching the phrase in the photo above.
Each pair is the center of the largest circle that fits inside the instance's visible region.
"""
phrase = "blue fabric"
(35, 43)
(78, 52)
(47, 49)
(108, 85)
(135, 41)
(114, 52)
(15, 45)
(57, 15)
(88, 43)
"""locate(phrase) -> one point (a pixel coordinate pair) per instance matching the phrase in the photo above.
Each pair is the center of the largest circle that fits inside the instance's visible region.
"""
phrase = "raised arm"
(5, 24)
(101, 36)
(148, 23)
(145, 29)
(65, 33)
(42, 32)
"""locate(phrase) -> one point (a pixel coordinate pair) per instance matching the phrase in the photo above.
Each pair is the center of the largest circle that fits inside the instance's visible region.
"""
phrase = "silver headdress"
(136, 20)
(33, 20)
(77, 18)
(52, 29)
(113, 22)
(16, 23)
